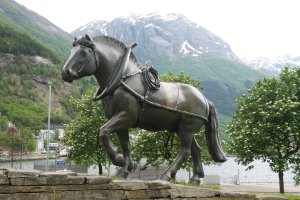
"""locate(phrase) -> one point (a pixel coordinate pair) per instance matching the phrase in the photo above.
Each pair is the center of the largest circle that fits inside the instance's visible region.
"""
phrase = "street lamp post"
(48, 132)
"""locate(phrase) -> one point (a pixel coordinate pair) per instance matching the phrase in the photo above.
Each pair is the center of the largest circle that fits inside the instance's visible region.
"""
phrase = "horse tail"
(212, 137)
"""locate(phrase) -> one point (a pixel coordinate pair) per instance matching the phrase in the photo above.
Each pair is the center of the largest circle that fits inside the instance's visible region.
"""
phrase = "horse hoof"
(119, 160)
(121, 173)
(194, 181)
(165, 178)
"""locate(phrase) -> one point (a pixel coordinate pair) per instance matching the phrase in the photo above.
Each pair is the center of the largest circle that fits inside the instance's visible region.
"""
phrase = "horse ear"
(74, 42)
(88, 37)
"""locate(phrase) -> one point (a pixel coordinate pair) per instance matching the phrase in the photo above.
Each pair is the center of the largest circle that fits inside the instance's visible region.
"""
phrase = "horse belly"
(157, 119)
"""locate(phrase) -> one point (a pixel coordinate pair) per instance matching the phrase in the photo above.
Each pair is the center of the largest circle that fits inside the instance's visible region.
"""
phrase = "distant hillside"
(174, 43)
(36, 26)
(16, 41)
(32, 52)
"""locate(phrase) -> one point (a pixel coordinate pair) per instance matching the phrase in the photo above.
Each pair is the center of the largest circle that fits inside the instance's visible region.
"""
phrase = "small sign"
(53, 144)
(60, 162)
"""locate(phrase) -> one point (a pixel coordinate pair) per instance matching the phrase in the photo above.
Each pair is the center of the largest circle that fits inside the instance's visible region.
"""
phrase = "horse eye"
(83, 53)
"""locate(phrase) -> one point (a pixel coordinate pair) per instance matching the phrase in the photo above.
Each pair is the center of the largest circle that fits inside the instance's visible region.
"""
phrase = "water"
(229, 171)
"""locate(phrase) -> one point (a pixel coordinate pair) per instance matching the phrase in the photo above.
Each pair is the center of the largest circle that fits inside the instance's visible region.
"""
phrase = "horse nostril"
(68, 72)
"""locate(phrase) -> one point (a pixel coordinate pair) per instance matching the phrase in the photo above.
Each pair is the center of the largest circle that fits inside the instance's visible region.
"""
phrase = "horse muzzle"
(67, 76)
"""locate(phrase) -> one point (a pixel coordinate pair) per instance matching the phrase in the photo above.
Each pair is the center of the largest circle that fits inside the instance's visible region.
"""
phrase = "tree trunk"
(100, 168)
(281, 182)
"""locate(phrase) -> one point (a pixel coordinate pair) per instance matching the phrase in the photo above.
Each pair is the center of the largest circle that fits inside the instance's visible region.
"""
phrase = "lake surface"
(229, 172)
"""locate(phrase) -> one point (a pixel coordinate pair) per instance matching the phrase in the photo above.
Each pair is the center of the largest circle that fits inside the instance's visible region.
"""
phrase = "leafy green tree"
(3, 123)
(18, 139)
(266, 124)
(167, 143)
(27, 140)
(81, 132)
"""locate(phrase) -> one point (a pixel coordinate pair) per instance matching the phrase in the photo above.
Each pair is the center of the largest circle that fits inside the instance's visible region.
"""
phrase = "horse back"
(176, 96)
(181, 97)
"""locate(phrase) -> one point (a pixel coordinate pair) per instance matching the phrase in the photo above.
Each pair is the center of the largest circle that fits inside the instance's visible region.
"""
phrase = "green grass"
(288, 196)
(212, 187)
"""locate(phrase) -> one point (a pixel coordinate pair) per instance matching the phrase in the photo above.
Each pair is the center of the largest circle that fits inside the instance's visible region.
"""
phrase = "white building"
(42, 136)
(40, 146)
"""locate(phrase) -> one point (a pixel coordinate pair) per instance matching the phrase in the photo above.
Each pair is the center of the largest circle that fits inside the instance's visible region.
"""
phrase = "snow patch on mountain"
(273, 66)
(149, 25)
(133, 18)
(186, 49)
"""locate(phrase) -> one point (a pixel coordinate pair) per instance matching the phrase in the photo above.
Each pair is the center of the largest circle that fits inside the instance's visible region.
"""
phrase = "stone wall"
(37, 185)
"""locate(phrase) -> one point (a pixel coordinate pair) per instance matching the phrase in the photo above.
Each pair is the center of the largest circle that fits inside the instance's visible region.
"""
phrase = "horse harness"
(150, 77)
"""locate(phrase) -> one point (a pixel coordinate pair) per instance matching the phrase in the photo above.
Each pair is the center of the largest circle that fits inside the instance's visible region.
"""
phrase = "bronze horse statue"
(129, 102)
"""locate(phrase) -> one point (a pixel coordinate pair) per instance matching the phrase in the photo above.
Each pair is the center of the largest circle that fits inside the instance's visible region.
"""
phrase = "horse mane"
(110, 41)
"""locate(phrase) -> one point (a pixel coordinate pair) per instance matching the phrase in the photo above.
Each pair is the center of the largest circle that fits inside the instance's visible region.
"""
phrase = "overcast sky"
(253, 28)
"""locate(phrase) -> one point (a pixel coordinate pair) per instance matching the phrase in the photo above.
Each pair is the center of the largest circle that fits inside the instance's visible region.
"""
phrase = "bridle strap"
(88, 60)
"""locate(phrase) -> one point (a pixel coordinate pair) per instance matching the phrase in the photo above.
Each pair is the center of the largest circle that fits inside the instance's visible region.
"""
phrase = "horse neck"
(107, 62)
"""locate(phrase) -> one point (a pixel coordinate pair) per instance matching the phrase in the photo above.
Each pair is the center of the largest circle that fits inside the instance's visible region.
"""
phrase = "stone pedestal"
(37, 185)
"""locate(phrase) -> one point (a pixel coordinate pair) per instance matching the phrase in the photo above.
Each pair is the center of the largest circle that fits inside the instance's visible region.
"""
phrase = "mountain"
(167, 35)
(273, 66)
(36, 26)
(174, 43)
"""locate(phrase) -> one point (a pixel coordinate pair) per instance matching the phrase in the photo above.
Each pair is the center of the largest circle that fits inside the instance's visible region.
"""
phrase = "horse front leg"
(117, 123)
(125, 145)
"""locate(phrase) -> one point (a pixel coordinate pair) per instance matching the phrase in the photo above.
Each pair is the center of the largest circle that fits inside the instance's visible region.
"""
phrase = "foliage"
(181, 78)
(22, 98)
(3, 123)
(37, 27)
(18, 140)
(166, 143)
(14, 40)
(27, 125)
(27, 140)
(266, 124)
(81, 132)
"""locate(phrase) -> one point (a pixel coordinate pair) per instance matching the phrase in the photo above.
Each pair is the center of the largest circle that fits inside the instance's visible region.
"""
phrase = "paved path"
(266, 188)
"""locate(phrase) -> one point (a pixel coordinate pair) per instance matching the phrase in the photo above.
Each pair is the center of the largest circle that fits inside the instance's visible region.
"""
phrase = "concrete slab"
(265, 188)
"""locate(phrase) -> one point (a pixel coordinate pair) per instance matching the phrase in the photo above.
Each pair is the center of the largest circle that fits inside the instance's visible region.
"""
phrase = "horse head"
(82, 60)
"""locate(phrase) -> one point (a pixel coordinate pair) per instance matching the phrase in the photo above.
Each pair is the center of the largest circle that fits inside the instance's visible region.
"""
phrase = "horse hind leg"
(186, 137)
(197, 163)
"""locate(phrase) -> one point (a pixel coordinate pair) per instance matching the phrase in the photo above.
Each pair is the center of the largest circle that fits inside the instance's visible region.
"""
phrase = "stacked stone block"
(37, 185)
